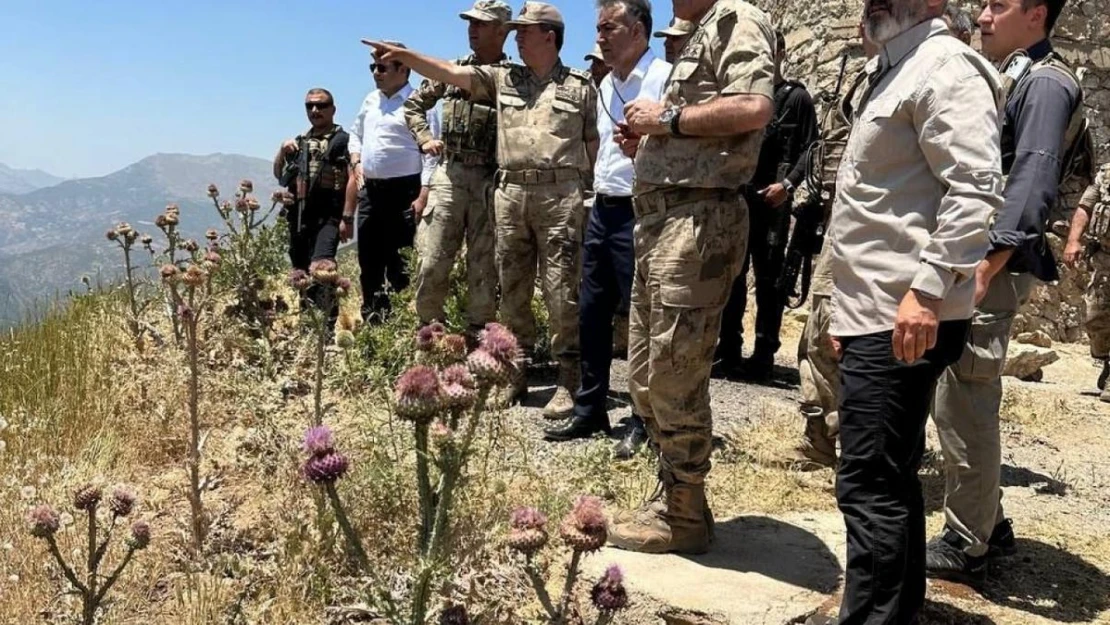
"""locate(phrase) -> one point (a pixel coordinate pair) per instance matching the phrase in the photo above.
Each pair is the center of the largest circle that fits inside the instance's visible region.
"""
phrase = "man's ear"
(1038, 16)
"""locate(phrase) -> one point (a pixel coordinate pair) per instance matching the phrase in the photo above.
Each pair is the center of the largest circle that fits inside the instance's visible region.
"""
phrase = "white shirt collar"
(402, 93)
(639, 71)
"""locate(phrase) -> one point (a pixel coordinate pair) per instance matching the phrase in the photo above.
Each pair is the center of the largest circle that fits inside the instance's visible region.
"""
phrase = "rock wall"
(818, 33)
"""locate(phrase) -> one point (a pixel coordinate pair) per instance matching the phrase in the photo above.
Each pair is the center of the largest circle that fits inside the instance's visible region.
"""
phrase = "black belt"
(613, 201)
(385, 183)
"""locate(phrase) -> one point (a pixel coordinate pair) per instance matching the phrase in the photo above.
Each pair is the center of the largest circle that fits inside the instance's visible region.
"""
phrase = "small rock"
(1038, 338)
(1024, 361)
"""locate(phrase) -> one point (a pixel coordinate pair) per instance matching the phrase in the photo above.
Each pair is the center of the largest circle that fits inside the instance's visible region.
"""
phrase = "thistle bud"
(213, 191)
(252, 204)
(288, 199)
(343, 286)
(487, 369)
(160, 221)
(345, 339)
(277, 197)
(194, 276)
(452, 348)
(170, 273)
(241, 205)
(246, 186)
(43, 521)
(427, 336)
(418, 394)
(121, 502)
(211, 235)
(299, 280)
(584, 529)
(441, 435)
(608, 594)
(124, 229)
(325, 469)
(147, 240)
(140, 535)
(528, 530)
(171, 219)
(87, 497)
(213, 258)
(111, 235)
(500, 343)
(324, 272)
(225, 208)
(190, 245)
(458, 387)
(131, 236)
(173, 209)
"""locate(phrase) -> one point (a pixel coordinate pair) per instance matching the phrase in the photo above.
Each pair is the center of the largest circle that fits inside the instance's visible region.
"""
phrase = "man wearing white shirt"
(608, 261)
(391, 182)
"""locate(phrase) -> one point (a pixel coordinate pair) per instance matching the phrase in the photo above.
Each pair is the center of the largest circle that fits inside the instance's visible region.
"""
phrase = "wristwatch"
(789, 186)
(349, 220)
(669, 118)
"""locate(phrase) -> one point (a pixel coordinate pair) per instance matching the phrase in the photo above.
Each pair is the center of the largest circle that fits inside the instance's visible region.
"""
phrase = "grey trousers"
(965, 409)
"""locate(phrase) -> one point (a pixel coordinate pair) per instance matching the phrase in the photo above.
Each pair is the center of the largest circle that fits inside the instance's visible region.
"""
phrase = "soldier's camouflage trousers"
(689, 248)
(459, 209)
(965, 410)
(818, 368)
(541, 224)
(1097, 299)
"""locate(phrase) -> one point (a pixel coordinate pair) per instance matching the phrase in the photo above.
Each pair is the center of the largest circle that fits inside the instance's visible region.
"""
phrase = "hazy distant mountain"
(50, 237)
(25, 180)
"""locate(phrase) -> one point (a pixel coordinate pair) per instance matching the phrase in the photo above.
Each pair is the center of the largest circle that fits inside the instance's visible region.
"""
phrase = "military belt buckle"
(531, 176)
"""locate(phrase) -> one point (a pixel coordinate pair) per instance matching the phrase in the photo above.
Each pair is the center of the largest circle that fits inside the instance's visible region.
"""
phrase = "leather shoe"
(633, 440)
(574, 428)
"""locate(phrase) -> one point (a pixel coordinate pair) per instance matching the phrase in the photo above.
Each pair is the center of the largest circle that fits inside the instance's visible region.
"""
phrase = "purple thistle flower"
(43, 520)
(246, 186)
(140, 535)
(121, 502)
(299, 280)
(608, 594)
(418, 394)
(213, 191)
(427, 336)
(585, 529)
(527, 530)
(319, 441)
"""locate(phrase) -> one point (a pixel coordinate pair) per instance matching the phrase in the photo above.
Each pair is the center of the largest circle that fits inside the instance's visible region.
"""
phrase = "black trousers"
(884, 404)
(314, 236)
(608, 262)
(385, 227)
(767, 239)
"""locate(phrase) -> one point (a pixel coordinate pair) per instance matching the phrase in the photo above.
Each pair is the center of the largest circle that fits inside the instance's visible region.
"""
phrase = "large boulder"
(1026, 361)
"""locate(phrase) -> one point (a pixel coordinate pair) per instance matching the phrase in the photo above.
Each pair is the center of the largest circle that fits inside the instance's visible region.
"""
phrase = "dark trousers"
(883, 407)
(767, 238)
(608, 262)
(385, 227)
(314, 237)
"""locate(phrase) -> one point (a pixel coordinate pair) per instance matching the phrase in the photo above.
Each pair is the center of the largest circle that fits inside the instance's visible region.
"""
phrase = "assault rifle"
(808, 234)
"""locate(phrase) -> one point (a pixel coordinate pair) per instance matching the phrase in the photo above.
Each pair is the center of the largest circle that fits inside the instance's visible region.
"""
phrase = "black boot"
(1002, 541)
(633, 440)
(727, 360)
(1102, 377)
(945, 558)
(760, 368)
(574, 428)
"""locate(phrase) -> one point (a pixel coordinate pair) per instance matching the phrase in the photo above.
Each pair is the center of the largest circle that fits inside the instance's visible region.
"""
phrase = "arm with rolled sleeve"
(958, 134)
(354, 145)
(1040, 122)
(430, 161)
(420, 110)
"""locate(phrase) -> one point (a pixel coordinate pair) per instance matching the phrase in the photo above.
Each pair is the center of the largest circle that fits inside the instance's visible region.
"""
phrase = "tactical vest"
(469, 129)
(1077, 150)
(1099, 227)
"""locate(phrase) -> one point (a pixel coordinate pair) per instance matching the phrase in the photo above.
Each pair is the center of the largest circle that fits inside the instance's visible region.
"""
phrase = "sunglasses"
(382, 68)
(323, 106)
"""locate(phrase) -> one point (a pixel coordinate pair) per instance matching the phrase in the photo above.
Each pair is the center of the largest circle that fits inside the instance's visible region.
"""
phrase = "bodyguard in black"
(780, 170)
(314, 168)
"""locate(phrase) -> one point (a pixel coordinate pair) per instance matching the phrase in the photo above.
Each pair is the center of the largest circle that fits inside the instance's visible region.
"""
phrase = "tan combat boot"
(681, 529)
(655, 507)
(816, 450)
(561, 405)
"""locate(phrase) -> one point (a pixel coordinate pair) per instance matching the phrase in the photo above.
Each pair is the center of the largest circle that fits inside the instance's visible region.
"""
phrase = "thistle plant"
(583, 531)
(168, 222)
(44, 522)
(324, 467)
(322, 288)
(248, 239)
(190, 295)
(124, 236)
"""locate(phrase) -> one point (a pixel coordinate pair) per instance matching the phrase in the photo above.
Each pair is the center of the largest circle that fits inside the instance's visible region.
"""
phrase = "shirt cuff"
(933, 281)
(423, 136)
(1005, 239)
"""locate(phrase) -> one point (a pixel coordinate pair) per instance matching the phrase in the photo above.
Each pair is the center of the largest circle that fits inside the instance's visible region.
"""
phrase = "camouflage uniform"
(690, 240)
(1097, 200)
(543, 129)
(460, 202)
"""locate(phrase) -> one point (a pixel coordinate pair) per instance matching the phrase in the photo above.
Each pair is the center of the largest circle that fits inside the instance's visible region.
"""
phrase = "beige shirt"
(1093, 193)
(728, 54)
(920, 179)
(541, 123)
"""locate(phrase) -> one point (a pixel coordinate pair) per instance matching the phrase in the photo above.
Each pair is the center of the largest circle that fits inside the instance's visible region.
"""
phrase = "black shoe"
(574, 428)
(1002, 541)
(633, 440)
(1102, 377)
(945, 559)
(759, 368)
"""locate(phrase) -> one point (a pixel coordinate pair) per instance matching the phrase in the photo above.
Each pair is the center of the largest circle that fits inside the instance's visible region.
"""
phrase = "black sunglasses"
(323, 106)
(383, 67)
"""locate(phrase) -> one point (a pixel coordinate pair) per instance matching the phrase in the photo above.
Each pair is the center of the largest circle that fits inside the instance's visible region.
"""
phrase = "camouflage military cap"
(595, 54)
(538, 13)
(488, 11)
(677, 28)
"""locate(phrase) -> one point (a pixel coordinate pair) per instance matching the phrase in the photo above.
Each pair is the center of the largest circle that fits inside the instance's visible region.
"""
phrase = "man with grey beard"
(920, 178)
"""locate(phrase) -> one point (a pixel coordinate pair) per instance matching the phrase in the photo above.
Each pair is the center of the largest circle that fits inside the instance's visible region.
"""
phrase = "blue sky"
(90, 87)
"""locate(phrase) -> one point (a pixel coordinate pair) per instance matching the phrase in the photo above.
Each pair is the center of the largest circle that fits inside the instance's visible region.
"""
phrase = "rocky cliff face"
(818, 33)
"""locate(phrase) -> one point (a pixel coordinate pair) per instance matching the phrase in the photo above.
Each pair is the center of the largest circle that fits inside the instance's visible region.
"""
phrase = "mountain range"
(25, 180)
(50, 237)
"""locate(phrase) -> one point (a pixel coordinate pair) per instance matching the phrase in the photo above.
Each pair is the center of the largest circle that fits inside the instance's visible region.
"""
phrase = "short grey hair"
(637, 10)
(959, 20)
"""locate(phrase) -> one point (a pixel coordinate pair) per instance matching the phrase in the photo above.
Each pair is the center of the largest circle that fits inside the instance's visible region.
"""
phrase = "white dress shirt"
(380, 134)
(613, 170)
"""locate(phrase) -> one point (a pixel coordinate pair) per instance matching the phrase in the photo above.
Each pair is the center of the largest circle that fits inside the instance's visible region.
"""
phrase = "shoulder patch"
(580, 74)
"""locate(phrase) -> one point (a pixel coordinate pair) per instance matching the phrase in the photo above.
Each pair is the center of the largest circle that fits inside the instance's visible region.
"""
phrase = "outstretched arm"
(427, 66)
